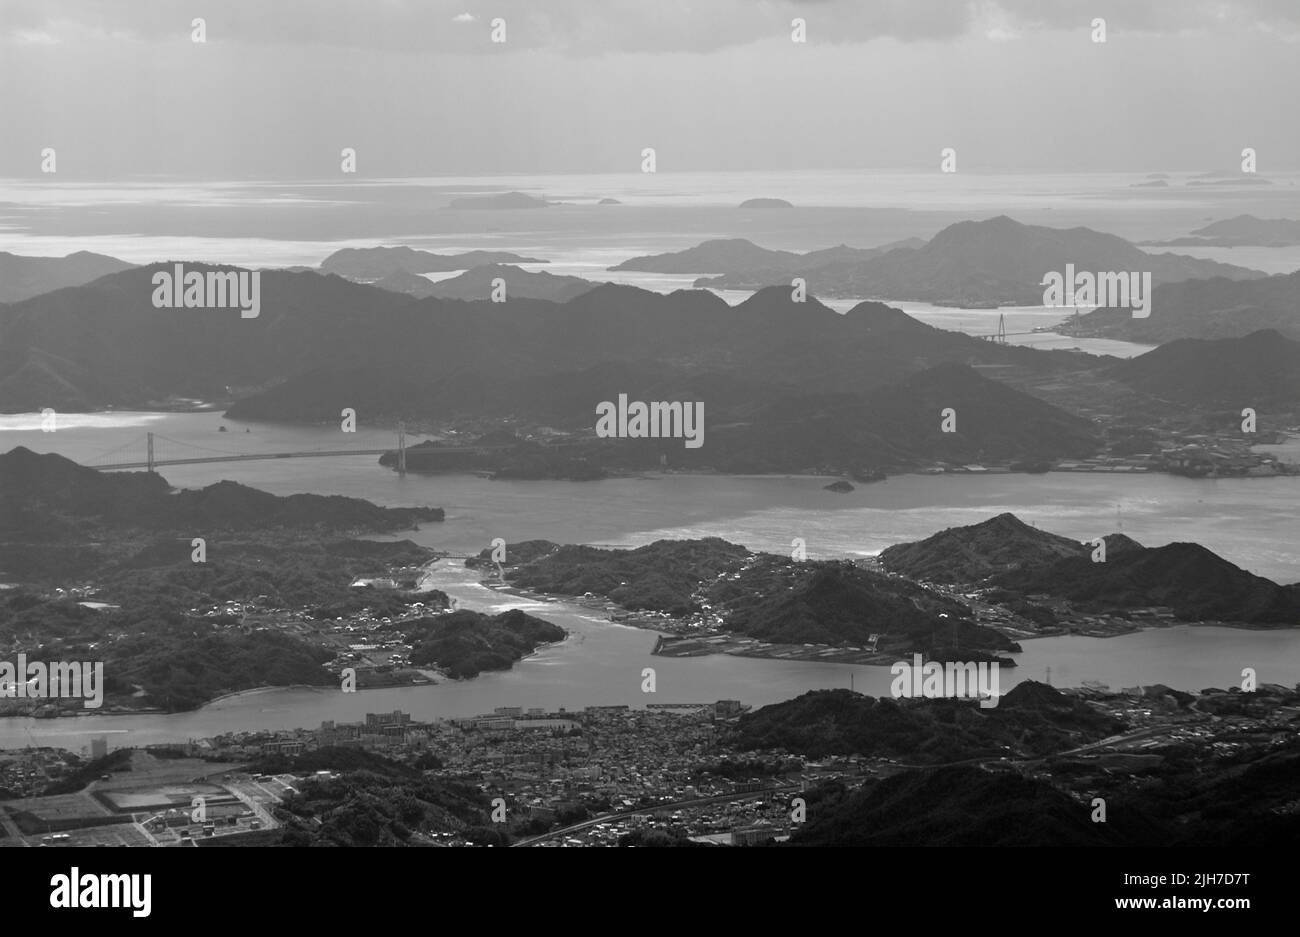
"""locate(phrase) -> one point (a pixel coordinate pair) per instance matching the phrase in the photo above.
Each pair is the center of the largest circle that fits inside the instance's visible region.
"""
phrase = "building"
(728, 707)
(535, 723)
(283, 747)
(750, 835)
(394, 718)
(169, 748)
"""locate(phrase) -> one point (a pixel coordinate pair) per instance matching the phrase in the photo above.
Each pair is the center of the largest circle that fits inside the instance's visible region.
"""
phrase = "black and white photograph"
(759, 425)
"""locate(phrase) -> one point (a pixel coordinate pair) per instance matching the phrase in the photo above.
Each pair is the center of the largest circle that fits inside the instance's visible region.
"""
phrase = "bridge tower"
(1002, 329)
(401, 449)
(150, 458)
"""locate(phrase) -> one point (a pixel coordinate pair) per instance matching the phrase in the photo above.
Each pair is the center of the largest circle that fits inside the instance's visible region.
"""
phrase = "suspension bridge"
(159, 450)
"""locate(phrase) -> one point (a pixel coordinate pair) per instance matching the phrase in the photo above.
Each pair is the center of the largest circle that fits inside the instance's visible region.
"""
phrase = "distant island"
(504, 200)
(765, 203)
(1232, 180)
(1241, 231)
(477, 284)
(744, 258)
(998, 261)
(981, 264)
(372, 263)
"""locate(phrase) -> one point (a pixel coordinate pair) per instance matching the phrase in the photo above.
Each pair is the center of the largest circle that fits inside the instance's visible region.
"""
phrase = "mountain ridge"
(994, 261)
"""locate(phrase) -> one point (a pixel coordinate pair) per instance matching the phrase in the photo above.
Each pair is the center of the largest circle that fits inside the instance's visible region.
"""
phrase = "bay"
(1252, 522)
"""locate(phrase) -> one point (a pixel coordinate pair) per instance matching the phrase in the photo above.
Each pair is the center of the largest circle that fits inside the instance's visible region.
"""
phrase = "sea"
(1251, 522)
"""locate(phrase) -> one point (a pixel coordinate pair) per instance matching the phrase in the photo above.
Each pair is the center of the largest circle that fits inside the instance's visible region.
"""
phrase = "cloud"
(1154, 16)
(580, 27)
(34, 37)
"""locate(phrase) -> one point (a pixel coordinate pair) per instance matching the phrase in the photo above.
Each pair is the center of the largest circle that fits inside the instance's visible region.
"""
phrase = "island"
(373, 263)
(501, 201)
(187, 596)
(710, 596)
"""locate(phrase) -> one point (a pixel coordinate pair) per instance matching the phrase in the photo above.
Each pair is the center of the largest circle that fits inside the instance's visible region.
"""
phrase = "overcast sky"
(418, 87)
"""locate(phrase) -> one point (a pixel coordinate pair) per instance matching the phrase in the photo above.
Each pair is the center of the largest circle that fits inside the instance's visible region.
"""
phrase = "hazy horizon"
(420, 89)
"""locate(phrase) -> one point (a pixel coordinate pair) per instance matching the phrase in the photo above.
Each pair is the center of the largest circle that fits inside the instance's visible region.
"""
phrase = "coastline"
(739, 645)
(707, 645)
(1281, 467)
(1083, 467)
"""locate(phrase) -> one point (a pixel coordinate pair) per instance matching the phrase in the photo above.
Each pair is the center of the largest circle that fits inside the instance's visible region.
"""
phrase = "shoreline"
(737, 645)
(155, 711)
(669, 643)
(1169, 623)
(1082, 469)
(733, 644)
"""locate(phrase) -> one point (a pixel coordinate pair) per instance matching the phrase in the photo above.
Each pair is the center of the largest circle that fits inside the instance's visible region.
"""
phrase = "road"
(1114, 740)
(657, 808)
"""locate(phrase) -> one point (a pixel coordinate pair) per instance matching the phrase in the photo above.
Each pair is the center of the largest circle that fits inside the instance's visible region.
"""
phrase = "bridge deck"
(240, 458)
(252, 456)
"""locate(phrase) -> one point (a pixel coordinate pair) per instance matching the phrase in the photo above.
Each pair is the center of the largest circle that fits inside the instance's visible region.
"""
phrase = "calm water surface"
(1252, 522)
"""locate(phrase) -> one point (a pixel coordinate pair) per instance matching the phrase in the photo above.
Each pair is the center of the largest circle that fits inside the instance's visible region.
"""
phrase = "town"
(671, 773)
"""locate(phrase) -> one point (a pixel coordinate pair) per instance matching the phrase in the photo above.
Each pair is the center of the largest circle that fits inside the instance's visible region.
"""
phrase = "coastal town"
(602, 775)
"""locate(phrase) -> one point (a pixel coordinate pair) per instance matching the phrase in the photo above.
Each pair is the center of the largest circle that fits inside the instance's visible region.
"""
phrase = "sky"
(418, 87)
